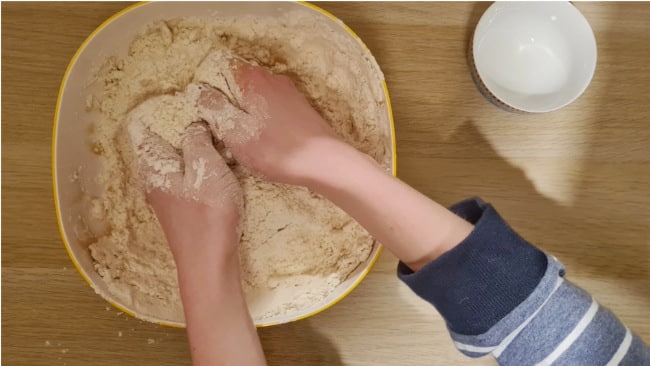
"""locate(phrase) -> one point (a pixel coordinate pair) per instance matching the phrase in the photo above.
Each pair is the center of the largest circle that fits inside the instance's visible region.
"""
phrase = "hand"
(274, 132)
(198, 202)
(195, 196)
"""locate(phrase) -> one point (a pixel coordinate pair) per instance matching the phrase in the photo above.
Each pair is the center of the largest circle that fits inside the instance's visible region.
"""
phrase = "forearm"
(413, 227)
(219, 327)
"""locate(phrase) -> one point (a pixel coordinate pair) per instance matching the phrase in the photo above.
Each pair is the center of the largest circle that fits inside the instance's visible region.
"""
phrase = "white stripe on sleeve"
(475, 349)
(622, 349)
(499, 348)
(575, 333)
(507, 340)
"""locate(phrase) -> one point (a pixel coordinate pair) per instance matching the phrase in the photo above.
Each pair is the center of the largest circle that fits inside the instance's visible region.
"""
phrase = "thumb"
(158, 164)
(221, 115)
(201, 159)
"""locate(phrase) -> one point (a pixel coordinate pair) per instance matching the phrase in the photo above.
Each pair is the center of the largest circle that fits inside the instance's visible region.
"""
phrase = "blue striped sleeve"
(502, 296)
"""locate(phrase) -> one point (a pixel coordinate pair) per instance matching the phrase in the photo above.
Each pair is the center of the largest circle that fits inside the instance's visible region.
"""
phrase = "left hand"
(198, 202)
(196, 197)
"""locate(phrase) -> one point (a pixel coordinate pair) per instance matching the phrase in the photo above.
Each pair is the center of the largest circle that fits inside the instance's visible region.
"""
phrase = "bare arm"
(413, 227)
(292, 144)
(219, 328)
(199, 214)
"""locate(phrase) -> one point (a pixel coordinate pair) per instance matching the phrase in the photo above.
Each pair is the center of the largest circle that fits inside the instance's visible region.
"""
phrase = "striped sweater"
(499, 295)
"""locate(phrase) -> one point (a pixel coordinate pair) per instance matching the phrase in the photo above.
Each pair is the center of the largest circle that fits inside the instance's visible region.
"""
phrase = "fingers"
(259, 86)
(158, 163)
(256, 79)
(222, 117)
(218, 71)
(211, 102)
(202, 161)
(252, 80)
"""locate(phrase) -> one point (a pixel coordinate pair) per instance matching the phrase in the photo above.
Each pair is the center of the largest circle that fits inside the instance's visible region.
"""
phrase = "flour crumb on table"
(296, 247)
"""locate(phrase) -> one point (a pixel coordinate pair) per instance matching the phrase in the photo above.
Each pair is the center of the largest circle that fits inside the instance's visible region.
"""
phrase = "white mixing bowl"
(70, 150)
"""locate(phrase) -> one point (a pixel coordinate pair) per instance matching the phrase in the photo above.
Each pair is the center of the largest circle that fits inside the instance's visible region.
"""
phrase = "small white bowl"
(533, 56)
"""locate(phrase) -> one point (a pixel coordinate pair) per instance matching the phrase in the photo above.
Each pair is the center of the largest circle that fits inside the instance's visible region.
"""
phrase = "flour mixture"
(296, 246)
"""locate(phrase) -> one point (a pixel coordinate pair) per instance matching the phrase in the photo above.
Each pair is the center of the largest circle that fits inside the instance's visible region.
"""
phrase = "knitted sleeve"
(500, 295)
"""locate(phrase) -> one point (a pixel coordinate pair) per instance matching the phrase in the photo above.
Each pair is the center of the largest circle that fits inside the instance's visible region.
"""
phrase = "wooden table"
(575, 182)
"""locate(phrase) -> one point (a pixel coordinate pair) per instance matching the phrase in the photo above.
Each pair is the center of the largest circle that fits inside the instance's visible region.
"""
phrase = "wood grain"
(575, 182)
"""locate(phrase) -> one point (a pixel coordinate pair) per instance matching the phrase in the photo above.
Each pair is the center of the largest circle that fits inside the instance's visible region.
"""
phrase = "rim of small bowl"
(370, 262)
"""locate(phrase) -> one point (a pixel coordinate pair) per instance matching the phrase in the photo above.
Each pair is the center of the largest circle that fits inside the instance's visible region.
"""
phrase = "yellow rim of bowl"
(55, 186)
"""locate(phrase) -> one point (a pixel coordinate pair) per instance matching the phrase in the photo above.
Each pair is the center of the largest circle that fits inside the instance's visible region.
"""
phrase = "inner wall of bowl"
(76, 166)
(534, 56)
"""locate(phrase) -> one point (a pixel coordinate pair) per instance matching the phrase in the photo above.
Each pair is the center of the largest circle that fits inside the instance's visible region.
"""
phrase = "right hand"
(275, 133)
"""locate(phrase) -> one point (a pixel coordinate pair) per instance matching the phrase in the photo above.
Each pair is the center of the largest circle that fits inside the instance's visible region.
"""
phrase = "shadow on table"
(298, 343)
(602, 243)
(591, 234)
(603, 232)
